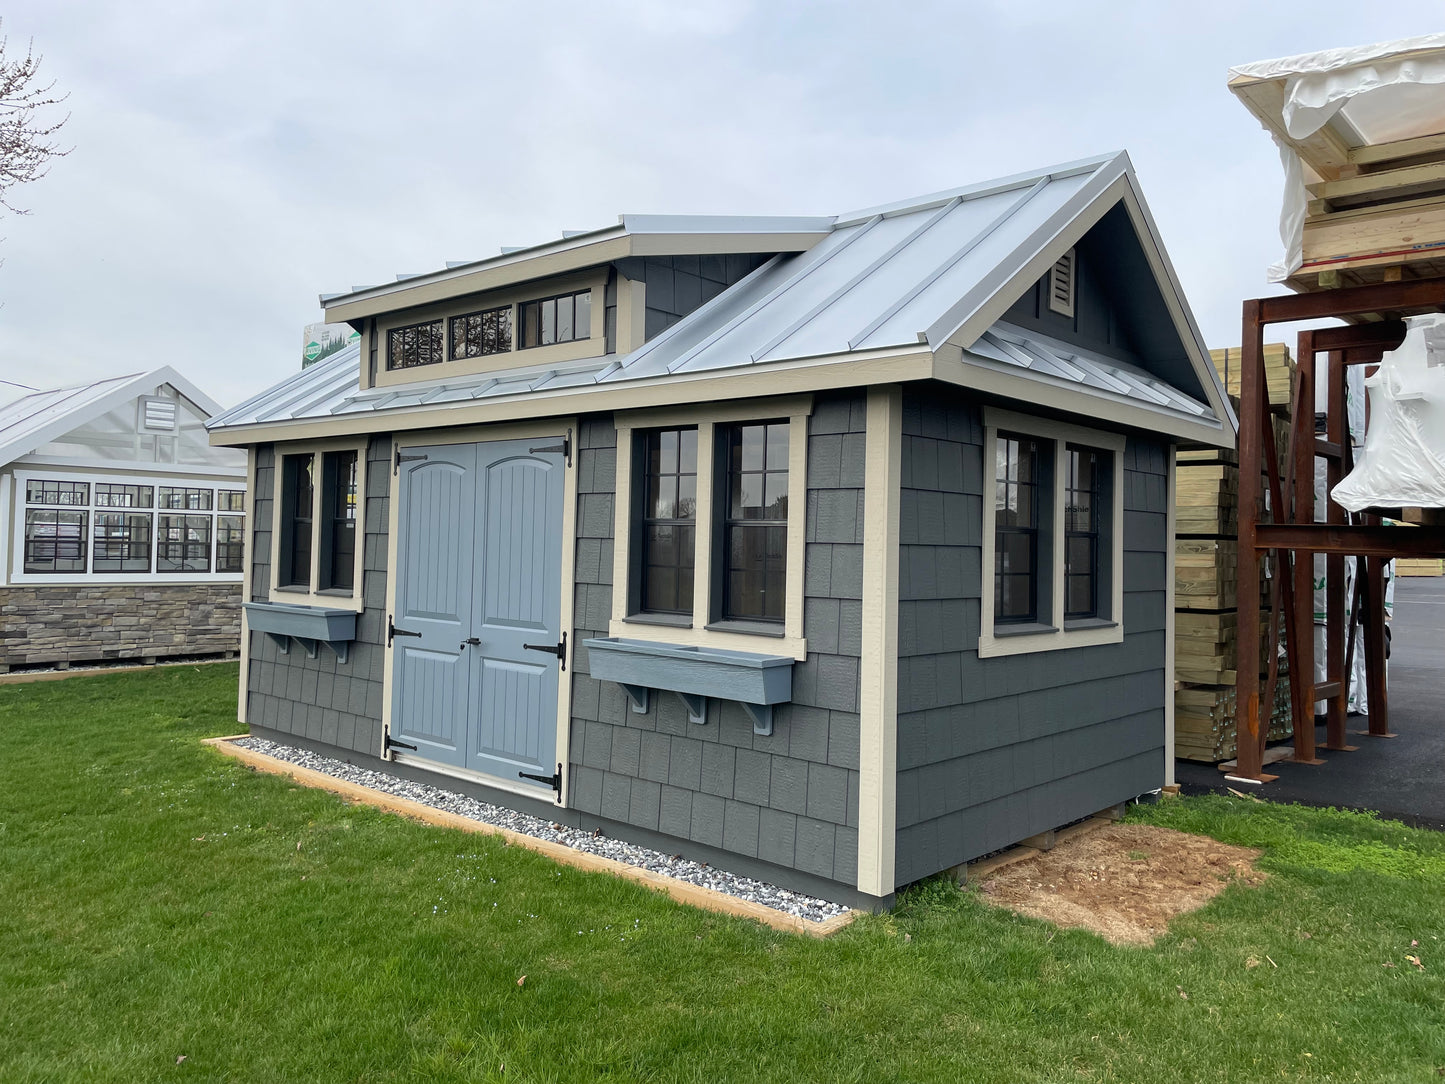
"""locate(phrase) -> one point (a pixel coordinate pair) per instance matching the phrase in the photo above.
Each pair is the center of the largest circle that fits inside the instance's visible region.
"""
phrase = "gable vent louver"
(1061, 285)
(158, 414)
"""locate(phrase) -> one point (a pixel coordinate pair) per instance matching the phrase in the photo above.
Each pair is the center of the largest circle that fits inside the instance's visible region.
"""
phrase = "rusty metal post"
(1377, 689)
(1302, 441)
(1337, 433)
(1253, 417)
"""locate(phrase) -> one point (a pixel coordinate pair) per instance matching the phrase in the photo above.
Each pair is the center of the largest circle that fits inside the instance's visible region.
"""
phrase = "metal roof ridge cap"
(973, 242)
(772, 295)
(980, 189)
(648, 223)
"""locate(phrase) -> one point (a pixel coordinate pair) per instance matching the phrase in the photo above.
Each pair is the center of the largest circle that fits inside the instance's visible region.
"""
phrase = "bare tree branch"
(26, 146)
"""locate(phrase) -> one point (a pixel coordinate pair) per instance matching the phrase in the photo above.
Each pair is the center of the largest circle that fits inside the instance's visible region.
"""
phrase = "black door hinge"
(553, 781)
(389, 743)
(565, 448)
(392, 631)
(559, 649)
(399, 459)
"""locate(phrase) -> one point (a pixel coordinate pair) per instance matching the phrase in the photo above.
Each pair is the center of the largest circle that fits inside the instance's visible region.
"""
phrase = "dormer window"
(416, 344)
(560, 319)
(477, 334)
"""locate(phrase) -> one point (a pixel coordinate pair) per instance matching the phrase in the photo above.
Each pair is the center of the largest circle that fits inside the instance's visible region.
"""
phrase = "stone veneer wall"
(78, 623)
(791, 799)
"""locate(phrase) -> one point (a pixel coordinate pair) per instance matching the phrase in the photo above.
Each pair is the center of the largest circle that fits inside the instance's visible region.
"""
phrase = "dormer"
(585, 296)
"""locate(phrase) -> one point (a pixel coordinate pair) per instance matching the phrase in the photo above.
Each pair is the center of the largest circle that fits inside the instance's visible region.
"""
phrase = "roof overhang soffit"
(544, 263)
(976, 313)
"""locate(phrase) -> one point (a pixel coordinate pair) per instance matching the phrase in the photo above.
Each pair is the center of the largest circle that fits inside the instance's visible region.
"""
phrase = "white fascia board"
(956, 366)
(130, 466)
(1178, 305)
(571, 254)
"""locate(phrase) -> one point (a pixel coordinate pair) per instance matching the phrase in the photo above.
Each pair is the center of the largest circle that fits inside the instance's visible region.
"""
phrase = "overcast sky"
(233, 160)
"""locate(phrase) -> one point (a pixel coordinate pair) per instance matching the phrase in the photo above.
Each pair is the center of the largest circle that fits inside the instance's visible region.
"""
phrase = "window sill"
(1028, 639)
(1023, 628)
(1079, 624)
(749, 628)
(676, 621)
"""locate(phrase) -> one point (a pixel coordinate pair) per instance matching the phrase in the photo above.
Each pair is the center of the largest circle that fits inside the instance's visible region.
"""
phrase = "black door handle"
(470, 640)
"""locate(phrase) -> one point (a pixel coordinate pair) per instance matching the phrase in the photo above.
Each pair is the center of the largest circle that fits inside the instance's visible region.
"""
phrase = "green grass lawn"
(158, 900)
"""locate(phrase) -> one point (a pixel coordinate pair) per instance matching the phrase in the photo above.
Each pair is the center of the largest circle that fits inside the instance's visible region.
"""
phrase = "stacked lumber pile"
(1419, 566)
(1279, 369)
(1205, 727)
(1207, 591)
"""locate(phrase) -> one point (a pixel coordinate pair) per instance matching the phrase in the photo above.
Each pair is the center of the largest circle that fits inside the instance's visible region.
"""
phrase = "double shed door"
(479, 559)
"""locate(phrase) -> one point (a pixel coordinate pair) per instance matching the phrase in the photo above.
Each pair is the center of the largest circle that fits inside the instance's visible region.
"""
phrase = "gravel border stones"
(731, 884)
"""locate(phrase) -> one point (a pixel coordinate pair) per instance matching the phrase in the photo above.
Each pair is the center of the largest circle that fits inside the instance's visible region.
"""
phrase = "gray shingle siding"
(676, 285)
(322, 699)
(790, 799)
(993, 750)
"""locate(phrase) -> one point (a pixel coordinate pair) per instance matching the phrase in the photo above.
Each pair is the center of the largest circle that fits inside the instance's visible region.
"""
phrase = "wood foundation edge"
(682, 891)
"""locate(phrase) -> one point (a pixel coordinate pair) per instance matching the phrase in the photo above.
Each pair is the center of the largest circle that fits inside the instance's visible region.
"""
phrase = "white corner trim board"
(878, 668)
(1052, 631)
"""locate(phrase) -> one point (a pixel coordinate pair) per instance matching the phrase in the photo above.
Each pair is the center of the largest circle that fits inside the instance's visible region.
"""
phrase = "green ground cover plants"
(167, 914)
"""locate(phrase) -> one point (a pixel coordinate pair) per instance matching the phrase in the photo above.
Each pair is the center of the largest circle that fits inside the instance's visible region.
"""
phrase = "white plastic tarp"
(1403, 461)
(1370, 94)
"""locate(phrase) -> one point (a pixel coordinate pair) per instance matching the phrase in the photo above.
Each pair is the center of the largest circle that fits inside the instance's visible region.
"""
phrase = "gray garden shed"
(832, 550)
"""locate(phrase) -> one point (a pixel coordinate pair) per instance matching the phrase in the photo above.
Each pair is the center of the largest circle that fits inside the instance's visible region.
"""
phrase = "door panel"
(517, 601)
(479, 556)
(433, 672)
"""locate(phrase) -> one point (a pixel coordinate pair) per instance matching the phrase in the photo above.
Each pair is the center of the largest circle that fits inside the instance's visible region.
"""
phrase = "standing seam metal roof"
(889, 277)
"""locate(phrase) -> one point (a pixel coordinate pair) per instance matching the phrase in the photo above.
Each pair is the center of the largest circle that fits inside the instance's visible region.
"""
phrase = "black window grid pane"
(122, 542)
(183, 543)
(1016, 517)
(55, 541)
(1082, 498)
(230, 544)
(418, 344)
(340, 498)
(116, 495)
(560, 319)
(176, 497)
(53, 491)
(297, 490)
(231, 500)
(755, 528)
(669, 534)
(478, 334)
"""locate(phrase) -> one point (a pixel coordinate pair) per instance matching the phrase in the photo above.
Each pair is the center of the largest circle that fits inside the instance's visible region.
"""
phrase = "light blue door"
(479, 558)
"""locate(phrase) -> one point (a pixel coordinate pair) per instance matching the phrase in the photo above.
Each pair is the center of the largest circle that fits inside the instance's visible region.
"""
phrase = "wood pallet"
(1419, 566)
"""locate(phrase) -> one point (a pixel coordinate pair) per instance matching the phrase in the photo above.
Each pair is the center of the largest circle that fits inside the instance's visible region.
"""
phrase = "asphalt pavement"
(1401, 777)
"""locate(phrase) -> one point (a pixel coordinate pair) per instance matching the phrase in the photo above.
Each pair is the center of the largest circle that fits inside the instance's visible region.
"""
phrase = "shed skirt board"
(478, 579)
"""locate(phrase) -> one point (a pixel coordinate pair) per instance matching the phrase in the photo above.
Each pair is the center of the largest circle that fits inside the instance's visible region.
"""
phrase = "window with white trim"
(317, 521)
(1052, 535)
(707, 552)
(109, 526)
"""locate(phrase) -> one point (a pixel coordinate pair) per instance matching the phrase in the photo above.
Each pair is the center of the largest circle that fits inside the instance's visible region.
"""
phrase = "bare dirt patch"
(1124, 882)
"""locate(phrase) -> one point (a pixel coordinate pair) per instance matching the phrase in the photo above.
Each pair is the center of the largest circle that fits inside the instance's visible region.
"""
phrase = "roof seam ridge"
(973, 242)
(772, 295)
